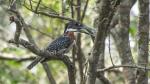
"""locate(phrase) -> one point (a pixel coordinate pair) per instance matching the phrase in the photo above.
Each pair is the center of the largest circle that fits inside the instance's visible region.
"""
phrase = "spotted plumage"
(61, 45)
(62, 42)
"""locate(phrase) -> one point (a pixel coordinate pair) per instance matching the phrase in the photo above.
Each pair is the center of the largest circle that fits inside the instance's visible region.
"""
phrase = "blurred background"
(44, 30)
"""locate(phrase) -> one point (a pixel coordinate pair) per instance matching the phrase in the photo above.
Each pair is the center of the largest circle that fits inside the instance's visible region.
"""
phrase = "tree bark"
(101, 61)
(48, 73)
(121, 37)
(143, 36)
(105, 11)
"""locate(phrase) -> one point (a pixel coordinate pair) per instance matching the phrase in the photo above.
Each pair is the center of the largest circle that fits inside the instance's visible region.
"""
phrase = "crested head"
(73, 25)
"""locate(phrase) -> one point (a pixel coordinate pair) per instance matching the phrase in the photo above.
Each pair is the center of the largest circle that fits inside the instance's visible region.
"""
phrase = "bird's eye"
(78, 24)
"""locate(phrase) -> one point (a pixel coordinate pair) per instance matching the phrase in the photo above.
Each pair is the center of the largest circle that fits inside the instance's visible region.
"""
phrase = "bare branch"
(84, 10)
(102, 78)
(17, 59)
(38, 5)
(31, 4)
(18, 28)
(24, 25)
(50, 15)
(110, 50)
(34, 49)
(16, 20)
(48, 72)
(71, 69)
(120, 66)
(44, 7)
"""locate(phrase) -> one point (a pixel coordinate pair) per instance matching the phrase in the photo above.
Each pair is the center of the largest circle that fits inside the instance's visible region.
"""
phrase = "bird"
(62, 44)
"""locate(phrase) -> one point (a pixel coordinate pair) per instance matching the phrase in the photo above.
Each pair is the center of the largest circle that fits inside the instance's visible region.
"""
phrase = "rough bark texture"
(101, 61)
(121, 37)
(48, 73)
(105, 11)
(143, 36)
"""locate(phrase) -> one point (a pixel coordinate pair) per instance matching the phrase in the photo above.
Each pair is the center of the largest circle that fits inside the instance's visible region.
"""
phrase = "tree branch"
(102, 78)
(18, 27)
(49, 15)
(50, 56)
(48, 72)
(120, 66)
(106, 12)
(24, 25)
(17, 59)
(34, 49)
(71, 69)
(38, 5)
(84, 10)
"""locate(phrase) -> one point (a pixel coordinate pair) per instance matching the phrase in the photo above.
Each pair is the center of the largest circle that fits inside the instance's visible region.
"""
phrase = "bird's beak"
(81, 30)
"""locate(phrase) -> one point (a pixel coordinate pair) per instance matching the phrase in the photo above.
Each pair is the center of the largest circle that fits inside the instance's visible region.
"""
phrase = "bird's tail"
(35, 62)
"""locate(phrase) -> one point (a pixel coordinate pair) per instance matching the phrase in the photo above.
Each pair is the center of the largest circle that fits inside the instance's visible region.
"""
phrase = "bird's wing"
(60, 44)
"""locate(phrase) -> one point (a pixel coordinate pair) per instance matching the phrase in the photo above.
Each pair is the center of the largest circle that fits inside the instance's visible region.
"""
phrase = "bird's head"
(73, 26)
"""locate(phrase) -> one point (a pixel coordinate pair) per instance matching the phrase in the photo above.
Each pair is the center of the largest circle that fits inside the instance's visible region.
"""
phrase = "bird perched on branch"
(62, 44)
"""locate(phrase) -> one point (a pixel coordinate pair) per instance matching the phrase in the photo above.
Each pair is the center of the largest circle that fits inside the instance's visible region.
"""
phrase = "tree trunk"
(121, 37)
(143, 36)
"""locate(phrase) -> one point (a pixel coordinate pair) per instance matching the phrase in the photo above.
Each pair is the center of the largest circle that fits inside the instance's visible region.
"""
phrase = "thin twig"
(119, 66)
(110, 51)
(84, 11)
(85, 71)
(38, 5)
(50, 15)
(44, 7)
(31, 4)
